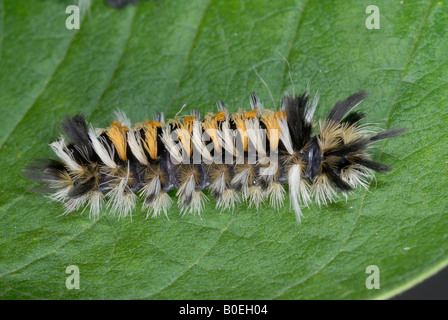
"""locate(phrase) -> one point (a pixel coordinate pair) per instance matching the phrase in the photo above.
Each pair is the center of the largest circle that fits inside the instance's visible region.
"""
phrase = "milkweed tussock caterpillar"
(240, 156)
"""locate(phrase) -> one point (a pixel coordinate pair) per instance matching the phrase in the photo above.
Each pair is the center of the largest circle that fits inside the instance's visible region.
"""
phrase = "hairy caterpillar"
(245, 155)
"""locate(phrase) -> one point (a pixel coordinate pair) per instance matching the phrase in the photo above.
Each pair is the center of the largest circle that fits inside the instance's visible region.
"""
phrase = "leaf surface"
(160, 55)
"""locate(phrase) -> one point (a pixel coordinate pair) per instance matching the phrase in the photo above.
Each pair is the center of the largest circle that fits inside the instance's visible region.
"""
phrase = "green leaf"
(159, 55)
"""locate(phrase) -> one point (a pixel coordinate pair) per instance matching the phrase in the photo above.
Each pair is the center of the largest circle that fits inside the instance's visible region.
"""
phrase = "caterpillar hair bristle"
(242, 156)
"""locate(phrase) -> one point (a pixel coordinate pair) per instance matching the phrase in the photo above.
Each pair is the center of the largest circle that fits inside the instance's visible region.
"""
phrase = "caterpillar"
(241, 156)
